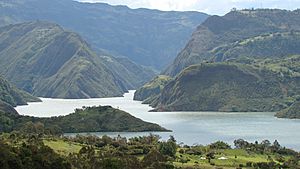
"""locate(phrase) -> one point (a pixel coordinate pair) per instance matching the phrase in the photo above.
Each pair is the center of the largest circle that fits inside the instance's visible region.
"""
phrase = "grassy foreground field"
(232, 158)
(190, 157)
(35, 151)
(63, 147)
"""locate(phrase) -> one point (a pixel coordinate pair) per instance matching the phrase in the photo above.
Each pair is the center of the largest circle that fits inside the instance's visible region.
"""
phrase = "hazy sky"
(219, 7)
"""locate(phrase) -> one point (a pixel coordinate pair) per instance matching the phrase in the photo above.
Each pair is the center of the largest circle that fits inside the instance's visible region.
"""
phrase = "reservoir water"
(188, 127)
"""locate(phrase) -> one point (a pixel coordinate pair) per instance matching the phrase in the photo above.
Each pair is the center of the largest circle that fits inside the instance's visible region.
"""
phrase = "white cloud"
(173, 4)
(219, 7)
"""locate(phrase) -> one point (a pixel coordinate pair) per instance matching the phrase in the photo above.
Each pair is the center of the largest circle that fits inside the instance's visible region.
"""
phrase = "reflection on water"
(188, 127)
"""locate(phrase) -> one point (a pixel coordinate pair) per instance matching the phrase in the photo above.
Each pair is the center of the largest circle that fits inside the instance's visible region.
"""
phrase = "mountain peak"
(223, 32)
(142, 35)
(47, 61)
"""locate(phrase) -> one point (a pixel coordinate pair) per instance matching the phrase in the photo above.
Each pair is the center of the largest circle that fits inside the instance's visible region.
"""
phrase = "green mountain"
(143, 35)
(47, 61)
(11, 96)
(292, 112)
(101, 119)
(227, 87)
(152, 89)
(258, 55)
(88, 119)
(130, 74)
(243, 84)
(261, 33)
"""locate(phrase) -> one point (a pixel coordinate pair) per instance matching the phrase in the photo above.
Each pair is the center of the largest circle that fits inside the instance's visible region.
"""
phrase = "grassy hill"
(47, 61)
(226, 87)
(143, 35)
(101, 119)
(241, 84)
(253, 33)
(272, 45)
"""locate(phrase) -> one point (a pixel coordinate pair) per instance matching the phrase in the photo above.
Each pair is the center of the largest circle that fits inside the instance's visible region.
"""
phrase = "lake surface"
(188, 127)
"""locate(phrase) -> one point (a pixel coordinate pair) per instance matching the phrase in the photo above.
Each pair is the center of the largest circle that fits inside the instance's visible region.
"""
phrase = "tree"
(276, 146)
(8, 158)
(219, 145)
(240, 143)
(107, 140)
(168, 148)
(39, 128)
(266, 143)
(172, 138)
(210, 156)
(111, 163)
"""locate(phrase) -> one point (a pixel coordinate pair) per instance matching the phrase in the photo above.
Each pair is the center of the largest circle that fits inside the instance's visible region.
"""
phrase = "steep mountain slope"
(292, 112)
(132, 74)
(10, 95)
(224, 87)
(45, 60)
(8, 109)
(234, 34)
(243, 84)
(152, 89)
(145, 36)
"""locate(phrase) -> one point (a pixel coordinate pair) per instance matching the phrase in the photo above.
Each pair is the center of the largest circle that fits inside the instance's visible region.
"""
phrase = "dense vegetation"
(45, 60)
(30, 155)
(20, 150)
(257, 33)
(88, 119)
(10, 97)
(145, 36)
